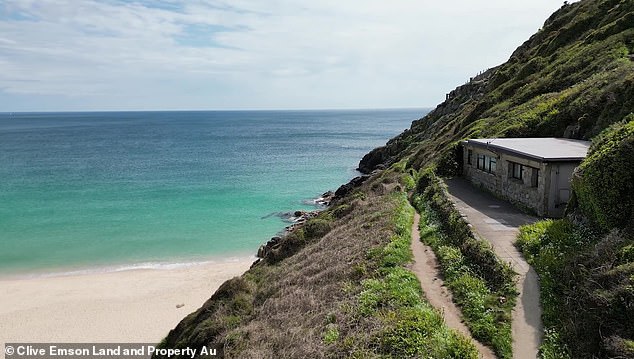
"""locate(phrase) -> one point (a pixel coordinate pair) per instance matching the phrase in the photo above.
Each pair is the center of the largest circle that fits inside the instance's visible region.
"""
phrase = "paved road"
(427, 270)
(497, 222)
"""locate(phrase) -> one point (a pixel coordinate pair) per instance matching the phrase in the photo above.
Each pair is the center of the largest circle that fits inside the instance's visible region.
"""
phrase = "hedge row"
(604, 182)
(482, 285)
(479, 255)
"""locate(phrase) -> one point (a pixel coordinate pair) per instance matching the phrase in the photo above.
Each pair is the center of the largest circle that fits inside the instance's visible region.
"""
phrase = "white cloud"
(259, 54)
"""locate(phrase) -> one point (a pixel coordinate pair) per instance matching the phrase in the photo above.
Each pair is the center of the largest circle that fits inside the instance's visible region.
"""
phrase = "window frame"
(481, 165)
(486, 163)
(514, 167)
(492, 164)
(534, 177)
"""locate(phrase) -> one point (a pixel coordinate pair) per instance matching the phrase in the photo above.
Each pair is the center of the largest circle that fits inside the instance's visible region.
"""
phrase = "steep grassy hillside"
(335, 287)
(339, 286)
(586, 260)
(482, 285)
(574, 77)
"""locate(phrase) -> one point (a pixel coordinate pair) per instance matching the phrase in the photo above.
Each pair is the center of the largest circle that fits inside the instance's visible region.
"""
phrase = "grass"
(411, 327)
(542, 245)
(482, 285)
(338, 287)
(487, 313)
(587, 283)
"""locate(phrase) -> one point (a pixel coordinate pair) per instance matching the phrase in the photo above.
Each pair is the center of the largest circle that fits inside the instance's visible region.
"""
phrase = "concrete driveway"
(497, 222)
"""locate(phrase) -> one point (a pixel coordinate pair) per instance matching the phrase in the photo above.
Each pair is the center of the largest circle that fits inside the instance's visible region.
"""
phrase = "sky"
(76, 55)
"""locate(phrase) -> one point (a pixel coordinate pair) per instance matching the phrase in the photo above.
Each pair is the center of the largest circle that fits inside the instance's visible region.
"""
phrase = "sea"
(86, 191)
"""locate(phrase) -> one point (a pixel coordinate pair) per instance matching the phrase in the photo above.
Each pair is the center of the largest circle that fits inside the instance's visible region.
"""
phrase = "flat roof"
(547, 149)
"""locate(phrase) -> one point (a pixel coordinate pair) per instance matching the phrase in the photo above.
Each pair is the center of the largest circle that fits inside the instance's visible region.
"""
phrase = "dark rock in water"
(283, 215)
(298, 220)
(269, 215)
(325, 198)
(301, 216)
(350, 186)
(322, 201)
(286, 216)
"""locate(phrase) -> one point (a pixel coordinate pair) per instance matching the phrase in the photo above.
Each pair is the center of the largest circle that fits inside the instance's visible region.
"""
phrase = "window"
(535, 178)
(487, 163)
(480, 164)
(516, 171)
(470, 157)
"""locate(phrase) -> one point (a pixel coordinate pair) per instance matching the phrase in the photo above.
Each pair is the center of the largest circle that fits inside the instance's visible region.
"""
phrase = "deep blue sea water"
(85, 190)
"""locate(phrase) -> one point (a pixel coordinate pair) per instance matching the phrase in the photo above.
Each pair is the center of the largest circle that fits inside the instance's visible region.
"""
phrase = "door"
(560, 175)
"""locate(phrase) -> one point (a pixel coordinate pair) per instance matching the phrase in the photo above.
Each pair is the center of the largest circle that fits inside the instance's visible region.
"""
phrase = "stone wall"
(501, 182)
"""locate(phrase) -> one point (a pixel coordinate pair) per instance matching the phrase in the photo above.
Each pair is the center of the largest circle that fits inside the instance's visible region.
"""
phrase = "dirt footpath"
(428, 272)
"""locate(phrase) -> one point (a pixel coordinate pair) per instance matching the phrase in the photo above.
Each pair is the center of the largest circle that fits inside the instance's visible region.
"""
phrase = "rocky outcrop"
(300, 217)
(325, 198)
(279, 245)
(266, 248)
(465, 100)
(381, 157)
(345, 189)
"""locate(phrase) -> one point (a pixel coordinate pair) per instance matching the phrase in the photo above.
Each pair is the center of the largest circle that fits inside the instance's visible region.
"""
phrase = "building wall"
(546, 198)
(559, 190)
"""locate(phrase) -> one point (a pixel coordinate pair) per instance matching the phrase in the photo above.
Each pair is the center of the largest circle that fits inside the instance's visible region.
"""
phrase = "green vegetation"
(317, 227)
(605, 182)
(411, 327)
(586, 261)
(545, 245)
(338, 286)
(482, 285)
(332, 335)
(575, 77)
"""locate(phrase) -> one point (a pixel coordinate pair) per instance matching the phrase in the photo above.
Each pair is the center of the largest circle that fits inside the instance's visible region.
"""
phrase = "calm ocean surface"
(87, 190)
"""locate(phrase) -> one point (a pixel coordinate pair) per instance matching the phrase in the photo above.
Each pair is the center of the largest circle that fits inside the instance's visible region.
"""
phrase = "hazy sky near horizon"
(251, 54)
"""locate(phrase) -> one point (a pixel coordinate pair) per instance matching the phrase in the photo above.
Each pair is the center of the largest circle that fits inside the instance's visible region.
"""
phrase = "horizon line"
(224, 110)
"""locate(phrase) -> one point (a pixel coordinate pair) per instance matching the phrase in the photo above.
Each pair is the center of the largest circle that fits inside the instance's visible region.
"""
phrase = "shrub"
(586, 291)
(342, 210)
(316, 228)
(475, 275)
(450, 161)
(604, 183)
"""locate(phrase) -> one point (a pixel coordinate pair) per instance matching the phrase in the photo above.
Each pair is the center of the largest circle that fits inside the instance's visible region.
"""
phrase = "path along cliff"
(426, 268)
(497, 222)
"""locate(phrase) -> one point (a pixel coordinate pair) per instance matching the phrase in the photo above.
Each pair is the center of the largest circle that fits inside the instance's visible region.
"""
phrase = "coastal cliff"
(339, 286)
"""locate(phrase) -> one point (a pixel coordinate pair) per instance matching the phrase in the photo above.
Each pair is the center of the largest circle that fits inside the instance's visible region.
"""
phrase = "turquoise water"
(84, 190)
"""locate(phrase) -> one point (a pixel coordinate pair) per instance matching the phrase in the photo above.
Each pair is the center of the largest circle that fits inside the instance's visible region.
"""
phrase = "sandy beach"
(125, 306)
